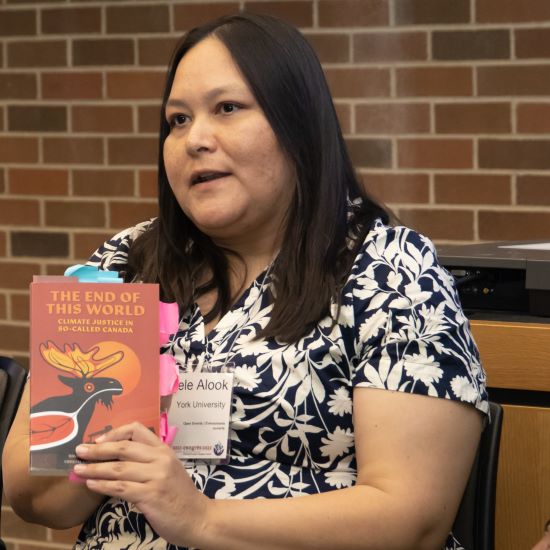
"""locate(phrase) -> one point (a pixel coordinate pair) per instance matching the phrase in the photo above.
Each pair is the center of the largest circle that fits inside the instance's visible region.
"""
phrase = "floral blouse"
(399, 327)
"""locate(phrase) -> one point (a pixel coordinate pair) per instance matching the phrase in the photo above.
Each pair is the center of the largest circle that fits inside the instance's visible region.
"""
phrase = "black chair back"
(474, 525)
(12, 382)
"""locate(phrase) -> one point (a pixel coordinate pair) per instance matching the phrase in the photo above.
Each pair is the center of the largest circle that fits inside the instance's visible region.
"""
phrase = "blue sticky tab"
(90, 274)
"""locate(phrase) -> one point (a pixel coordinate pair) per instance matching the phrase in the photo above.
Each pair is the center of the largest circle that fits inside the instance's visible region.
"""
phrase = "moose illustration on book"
(59, 422)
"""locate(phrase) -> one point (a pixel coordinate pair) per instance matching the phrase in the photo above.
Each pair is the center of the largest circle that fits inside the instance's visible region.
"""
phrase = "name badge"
(201, 410)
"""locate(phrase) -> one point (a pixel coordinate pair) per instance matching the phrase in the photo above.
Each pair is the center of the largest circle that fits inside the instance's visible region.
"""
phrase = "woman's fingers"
(130, 442)
(128, 471)
(116, 450)
(132, 432)
(130, 491)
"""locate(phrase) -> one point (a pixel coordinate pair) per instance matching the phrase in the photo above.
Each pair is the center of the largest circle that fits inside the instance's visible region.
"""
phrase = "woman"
(284, 267)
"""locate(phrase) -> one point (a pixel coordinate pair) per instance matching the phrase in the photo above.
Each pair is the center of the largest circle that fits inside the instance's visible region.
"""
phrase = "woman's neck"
(252, 256)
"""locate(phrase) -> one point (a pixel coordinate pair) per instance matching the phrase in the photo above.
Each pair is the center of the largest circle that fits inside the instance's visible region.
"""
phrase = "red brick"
(513, 226)
(353, 13)
(39, 244)
(514, 80)
(38, 181)
(75, 214)
(394, 46)
(135, 85)
(149, 118)
(19, 305)
(343, 110)
(440, 224)
(55, 269)
(16, 275)
(133, 151)
(103, 183)
(533, 118)
(37, 118)
(359, 82)
(434, 81)
(148, 183)
(187, 16)
(84, 244)
(156, 51)
(397, 187)
(435, 153)
(73, 150)
(18, 149)
(71, 20)
(532, 43)
(330, 48)
(126, 214)
(429, 12)
(2, 181)
(457, 45)
(102, 118)
(370, 153)
(512, 11)
(472, 189)
(135, 19)
(72, 85)
(473, 118)
(297, 12)
(105, 51)
(514, 154)
(17, 22)
(51, 53)
(533, 190)
(3, 241)
(392, 118)
(3, 307)
(18, 86)
(19, 212)
(13, 338)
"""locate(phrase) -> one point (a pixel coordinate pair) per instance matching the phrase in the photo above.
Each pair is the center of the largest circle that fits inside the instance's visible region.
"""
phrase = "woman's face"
(223, 161)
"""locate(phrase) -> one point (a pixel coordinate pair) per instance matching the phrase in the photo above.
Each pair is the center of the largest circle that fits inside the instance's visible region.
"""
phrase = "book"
(94, 365)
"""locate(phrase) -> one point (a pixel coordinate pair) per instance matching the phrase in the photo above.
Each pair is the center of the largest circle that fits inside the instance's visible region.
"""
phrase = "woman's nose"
(200, 137)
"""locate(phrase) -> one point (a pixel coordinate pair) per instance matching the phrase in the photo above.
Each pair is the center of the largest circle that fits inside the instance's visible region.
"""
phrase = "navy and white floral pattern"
(399, 327)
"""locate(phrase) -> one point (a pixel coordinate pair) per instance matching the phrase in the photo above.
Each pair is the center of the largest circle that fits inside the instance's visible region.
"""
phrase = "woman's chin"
(218, 226)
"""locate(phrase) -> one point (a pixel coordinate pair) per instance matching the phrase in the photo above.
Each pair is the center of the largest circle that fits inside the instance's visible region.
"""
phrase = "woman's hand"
(132, 463)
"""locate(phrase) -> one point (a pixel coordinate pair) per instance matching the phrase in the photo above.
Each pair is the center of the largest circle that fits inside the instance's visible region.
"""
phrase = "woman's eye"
(177, 120)
(228, 108)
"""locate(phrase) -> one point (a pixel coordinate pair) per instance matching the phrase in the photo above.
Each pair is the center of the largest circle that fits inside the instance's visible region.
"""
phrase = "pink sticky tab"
(167, 433)
(74, 478)
(169, 377)
(171, 432)
(168, 320)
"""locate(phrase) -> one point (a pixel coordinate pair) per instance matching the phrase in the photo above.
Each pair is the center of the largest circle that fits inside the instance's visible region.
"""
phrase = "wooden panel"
(523, 485)
(514, 355)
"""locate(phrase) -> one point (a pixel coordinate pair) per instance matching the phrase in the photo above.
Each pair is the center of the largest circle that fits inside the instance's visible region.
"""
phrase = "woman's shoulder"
(113, 253)
(396, 245)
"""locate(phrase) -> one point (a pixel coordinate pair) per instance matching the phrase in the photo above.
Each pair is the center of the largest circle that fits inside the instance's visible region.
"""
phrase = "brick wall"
(444, 104)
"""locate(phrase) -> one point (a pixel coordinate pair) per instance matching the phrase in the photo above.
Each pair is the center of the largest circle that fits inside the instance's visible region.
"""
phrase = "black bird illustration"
(58, 423)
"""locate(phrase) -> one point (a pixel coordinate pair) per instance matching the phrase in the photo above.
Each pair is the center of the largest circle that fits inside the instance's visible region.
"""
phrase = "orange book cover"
(94, 351)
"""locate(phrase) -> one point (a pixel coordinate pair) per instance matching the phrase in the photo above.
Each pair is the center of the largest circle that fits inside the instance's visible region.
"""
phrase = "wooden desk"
(516, 356)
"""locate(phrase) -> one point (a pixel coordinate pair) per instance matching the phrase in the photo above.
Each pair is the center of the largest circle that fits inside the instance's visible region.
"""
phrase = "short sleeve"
(411, 334)
(112, 255)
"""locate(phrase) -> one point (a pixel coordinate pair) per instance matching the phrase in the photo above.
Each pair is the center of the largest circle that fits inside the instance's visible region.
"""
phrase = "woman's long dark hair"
(288, 82)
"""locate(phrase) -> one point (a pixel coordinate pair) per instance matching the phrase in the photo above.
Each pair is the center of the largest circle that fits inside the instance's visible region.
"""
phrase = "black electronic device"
(501, 276)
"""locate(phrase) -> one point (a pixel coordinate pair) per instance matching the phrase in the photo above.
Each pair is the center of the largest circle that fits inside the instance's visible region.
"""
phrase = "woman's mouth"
(207, 176)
